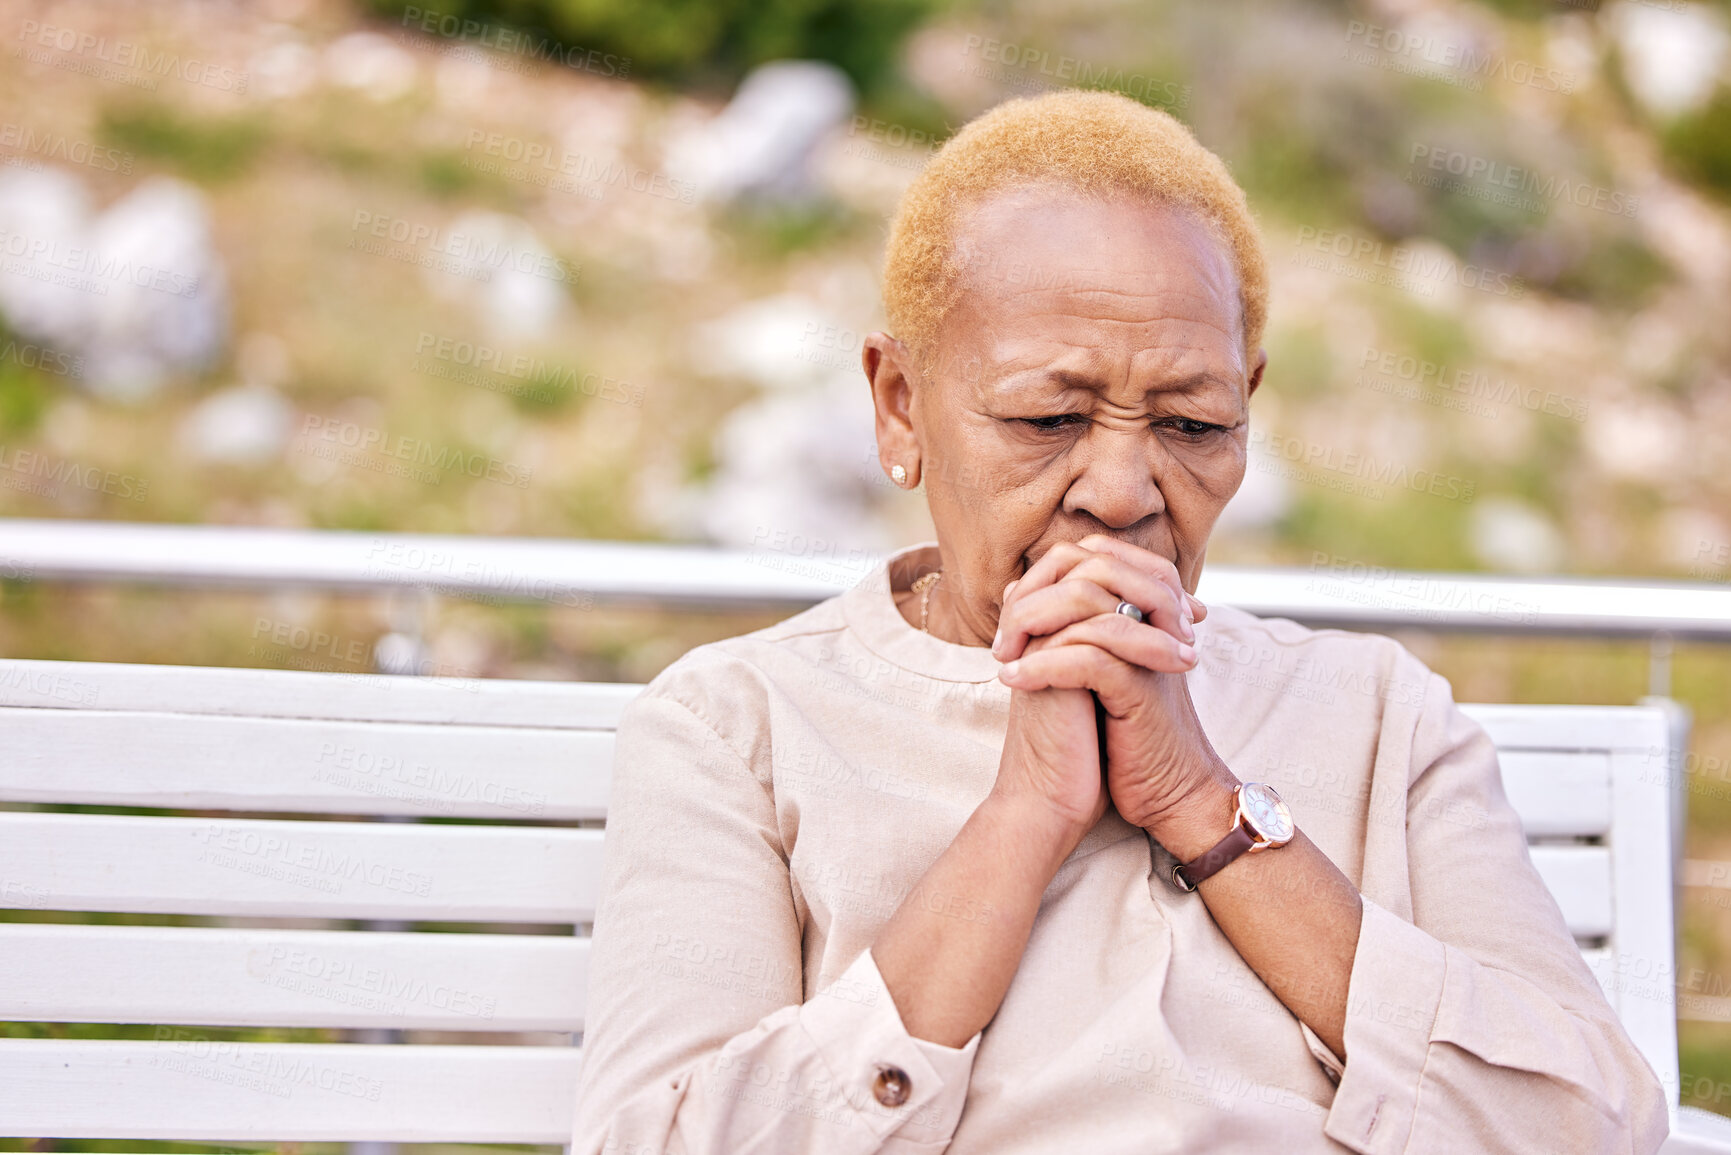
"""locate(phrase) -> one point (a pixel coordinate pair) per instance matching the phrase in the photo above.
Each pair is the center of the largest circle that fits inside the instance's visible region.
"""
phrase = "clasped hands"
(1064, 647)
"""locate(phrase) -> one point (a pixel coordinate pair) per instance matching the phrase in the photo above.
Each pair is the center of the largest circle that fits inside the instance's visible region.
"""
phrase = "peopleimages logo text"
(1498, 174)
(514, 43)
(483, 254)
(1409, 260)
(1410, 52)
(125, 54)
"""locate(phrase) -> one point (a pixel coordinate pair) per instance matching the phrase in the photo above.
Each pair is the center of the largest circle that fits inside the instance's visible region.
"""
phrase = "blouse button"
(892, 1086)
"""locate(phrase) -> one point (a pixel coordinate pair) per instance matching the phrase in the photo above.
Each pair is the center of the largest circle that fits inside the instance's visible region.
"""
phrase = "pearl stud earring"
(898, 474)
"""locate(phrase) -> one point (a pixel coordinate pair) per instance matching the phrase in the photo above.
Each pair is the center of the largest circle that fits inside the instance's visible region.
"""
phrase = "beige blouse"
(777, 795)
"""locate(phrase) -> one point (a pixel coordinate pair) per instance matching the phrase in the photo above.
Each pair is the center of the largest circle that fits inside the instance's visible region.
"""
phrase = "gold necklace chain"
(924, 584)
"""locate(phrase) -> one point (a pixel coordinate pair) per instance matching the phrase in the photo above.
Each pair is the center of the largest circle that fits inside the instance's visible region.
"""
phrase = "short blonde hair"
(1095, 142)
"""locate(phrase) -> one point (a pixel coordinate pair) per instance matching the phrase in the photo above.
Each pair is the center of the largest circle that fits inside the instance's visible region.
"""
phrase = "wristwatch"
(1260, 821)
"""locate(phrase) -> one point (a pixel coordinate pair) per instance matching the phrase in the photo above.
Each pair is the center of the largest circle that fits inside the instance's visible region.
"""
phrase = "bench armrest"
(1698, 1132)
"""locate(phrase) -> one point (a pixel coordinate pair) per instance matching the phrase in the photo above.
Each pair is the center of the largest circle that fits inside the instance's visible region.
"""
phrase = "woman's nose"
(1116, 484)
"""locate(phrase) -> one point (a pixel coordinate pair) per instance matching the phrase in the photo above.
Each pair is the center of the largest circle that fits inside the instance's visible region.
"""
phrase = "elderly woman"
(1016, 847)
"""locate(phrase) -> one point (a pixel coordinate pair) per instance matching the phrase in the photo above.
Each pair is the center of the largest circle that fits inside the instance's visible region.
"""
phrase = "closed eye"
(1056, 421)
(1193, 428)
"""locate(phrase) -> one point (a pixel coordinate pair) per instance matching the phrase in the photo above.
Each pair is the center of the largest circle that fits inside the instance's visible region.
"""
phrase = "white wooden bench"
(312, 795)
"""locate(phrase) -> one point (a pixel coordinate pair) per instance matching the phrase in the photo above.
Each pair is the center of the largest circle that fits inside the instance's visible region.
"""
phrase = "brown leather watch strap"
(1237, 841)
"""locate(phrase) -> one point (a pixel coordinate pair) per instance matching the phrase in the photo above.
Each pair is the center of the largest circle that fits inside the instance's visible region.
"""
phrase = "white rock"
(43, 216)
(798, 474)
(763, 143)
(371, 63)
(1639, 439)
(797, 467)
(138, 291)
(396, 653)
(1440, 292)
(244, 425)
(283, 70)
(783, 342)
(501, 268)
(178, 319)
(1672, 57)
(1513, 536)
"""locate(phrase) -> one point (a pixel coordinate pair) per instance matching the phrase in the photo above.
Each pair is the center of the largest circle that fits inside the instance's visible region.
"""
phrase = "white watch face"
(1266, 813)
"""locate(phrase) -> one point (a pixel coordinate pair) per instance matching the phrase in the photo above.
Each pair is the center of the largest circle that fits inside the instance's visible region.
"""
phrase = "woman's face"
(1092, 379)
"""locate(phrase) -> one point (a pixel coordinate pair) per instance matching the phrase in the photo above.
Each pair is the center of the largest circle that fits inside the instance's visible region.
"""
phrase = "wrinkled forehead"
(1052, 257)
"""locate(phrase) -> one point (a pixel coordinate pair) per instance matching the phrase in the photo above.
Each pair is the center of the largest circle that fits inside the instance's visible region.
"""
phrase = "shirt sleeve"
(1331, 1064)
(1477, 1025)
(701, 1038)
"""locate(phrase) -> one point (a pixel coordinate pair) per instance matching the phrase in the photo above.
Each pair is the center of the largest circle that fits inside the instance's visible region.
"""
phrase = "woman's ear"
(1256, 372)
(890, 370)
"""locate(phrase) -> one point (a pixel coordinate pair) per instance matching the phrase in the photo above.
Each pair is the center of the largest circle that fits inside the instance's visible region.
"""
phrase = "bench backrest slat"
(297, 694)
(148, 758)
(191, 1089)
(1579, 878)
(1559, 793)
(263, 869)
(217, 976)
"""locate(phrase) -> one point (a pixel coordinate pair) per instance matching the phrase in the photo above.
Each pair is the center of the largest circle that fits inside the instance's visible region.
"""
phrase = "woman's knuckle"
(1069, 551)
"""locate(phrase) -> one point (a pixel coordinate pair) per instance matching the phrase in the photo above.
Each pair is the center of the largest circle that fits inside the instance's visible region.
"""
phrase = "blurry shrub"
(1301, 364)
(1617, 272)
(1705, 1058)
(772, 233)
(1564, 249)
(204, 149)
(1292, 156)
(1289, 172)
(24, 388)
(1700, 144)
(443, 174)
(1410, 531)
(146, 1033)
(553, 389)
(1538, 9)
(23, 397)
(708, 41)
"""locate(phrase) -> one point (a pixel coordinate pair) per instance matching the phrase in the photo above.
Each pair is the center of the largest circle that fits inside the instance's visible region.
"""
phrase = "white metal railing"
(798, 572)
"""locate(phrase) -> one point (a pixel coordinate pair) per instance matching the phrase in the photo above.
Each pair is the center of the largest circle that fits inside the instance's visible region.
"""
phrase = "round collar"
(870, 612)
